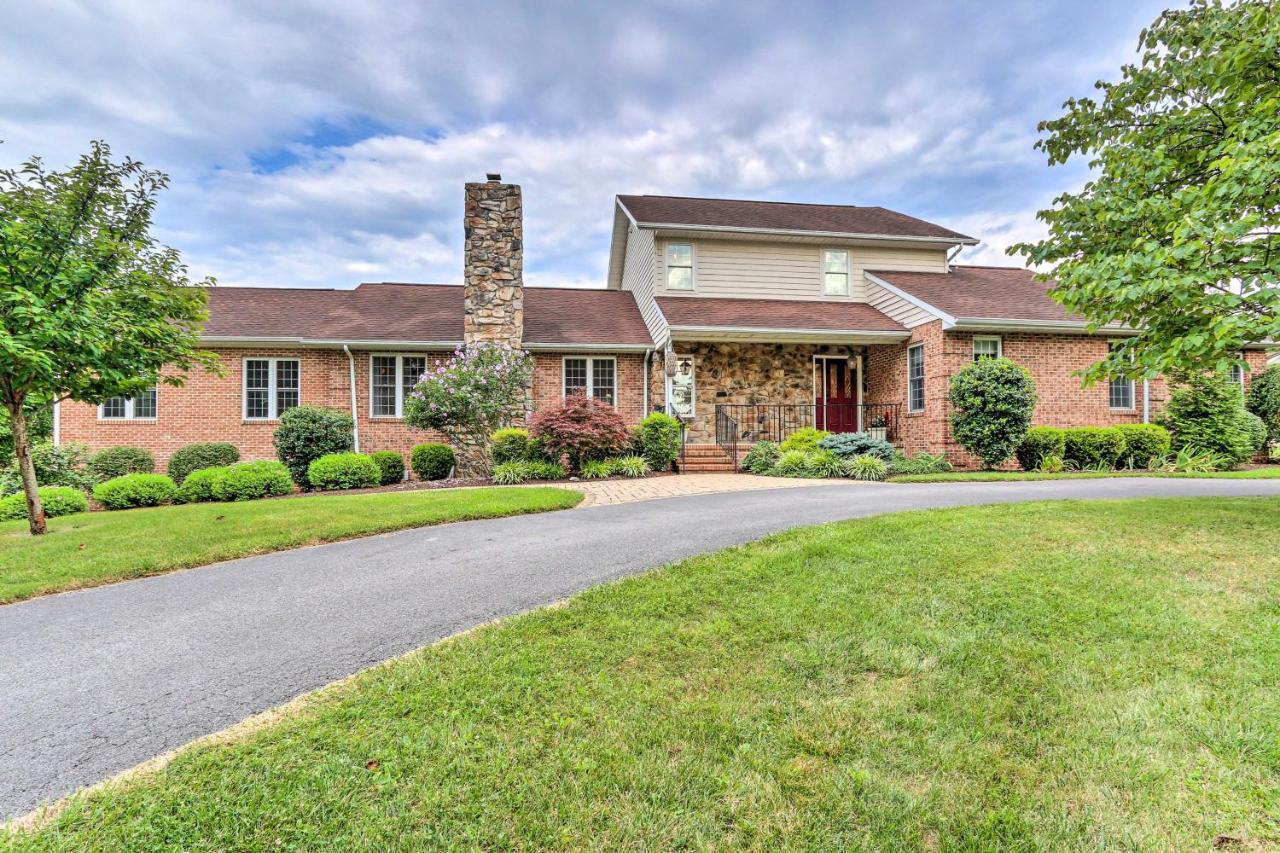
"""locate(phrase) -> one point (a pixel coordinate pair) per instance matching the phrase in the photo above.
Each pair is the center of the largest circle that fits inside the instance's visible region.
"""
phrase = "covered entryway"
(836, 384)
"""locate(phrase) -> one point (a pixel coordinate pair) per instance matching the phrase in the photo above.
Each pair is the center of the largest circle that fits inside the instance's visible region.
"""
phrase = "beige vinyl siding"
(639, 275)
(752, 270)
(894, 306)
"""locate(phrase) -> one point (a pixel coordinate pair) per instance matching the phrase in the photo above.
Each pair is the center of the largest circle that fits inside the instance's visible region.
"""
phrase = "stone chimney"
(493, 263)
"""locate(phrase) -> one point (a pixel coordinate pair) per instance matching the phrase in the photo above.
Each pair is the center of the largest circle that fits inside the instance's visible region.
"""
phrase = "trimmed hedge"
(134, 490)
(193, 457)
(56, 500)
(1040, 443)
(197, 486)
(390, 466)
(432, 461)
(659, 440)
(118, 461)
(1089, 447)
(510, 444)
(343, 471)
(1145, 445)
(247, 481)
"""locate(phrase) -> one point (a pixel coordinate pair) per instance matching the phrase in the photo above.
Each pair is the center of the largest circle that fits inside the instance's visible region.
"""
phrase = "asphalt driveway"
(94, 682)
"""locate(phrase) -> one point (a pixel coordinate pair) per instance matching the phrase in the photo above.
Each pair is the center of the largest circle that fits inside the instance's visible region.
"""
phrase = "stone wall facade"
(493, 266)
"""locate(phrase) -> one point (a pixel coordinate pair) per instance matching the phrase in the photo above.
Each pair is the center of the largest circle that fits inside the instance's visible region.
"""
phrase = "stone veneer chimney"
(493, 263)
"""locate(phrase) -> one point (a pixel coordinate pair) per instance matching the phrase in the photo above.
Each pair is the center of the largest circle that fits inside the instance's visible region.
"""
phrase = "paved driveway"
(93, 682)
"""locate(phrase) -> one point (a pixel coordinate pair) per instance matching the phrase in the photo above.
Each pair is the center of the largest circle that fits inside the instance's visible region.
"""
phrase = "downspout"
(648, 361)
(1146, 401)
(57, 424)
(355, 415)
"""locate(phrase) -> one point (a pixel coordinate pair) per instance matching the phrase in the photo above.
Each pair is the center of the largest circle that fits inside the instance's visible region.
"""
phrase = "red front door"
(837, 395)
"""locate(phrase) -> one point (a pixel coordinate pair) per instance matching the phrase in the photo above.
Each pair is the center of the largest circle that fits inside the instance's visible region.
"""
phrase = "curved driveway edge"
(97, 681)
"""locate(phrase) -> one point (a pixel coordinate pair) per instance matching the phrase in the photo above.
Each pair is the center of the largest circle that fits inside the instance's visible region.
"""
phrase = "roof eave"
(782, 334)
(553, 346)
(958, 240)
(995, 324)
(320, 343)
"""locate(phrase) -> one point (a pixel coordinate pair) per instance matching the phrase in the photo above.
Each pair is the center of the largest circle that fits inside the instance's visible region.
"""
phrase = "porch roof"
(701, 318)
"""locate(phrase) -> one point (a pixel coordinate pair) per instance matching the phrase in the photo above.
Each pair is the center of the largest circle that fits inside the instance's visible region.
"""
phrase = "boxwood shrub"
(432, 461)
(659, 440)
(1145, 445)
(133, 490)
(343, 471)
(1040, 442)
(390, 466)
(57, 500)
(1090, 447)
(510, 444)
(993, 400)
(193, 457)
(118, 461)
(197, 486)
(247, 481)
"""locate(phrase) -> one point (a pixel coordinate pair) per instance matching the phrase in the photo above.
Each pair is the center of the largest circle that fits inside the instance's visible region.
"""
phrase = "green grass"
(89, 549)
(1067, 675)
(1269, 473)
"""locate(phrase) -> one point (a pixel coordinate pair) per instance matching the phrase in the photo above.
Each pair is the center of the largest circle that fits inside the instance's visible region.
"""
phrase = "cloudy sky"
(326, 143)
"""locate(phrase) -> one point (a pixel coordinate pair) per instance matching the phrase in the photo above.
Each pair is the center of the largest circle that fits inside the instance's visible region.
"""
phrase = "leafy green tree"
(994, 400)
(1177, 233)
(91, 306)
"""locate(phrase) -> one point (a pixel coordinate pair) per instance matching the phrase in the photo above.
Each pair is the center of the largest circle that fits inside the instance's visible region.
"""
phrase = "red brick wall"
(548, 381)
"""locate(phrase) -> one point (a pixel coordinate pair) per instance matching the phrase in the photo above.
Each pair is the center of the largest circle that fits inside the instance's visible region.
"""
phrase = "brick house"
(745, 319)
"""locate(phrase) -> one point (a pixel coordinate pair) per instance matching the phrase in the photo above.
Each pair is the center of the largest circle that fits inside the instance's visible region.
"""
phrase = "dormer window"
(679, 266)
(835, 272)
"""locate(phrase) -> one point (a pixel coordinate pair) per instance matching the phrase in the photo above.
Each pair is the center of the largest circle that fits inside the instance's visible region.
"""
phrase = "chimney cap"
(492, 177)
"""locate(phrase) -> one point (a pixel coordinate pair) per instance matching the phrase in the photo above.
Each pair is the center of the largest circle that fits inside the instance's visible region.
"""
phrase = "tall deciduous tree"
(1177, 234)
(91, 306)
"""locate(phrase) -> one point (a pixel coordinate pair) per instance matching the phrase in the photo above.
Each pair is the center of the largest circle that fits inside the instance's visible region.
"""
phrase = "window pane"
(835, 283)
(413, 368)
(679, 255)
(575, 375)
(287, 385)
(602, 379)
(256, 403)
(833, 261)
(1121, 394)
(680, 278)
(113, 408)
(915, 382)
(985, 348)
(144, 405)
(383, 386)
(257, 381)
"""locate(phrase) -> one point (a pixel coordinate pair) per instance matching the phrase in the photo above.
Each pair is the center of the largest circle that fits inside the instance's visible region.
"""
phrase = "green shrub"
(1256, 429)
(994, 400)
(193, 457)
(432, 461)
(761, 458)
(55, 466)
(823, 463)
(866, 468)
(921, 463)
(1194, 460)
(659, 439)
(596, 469)
(1091, 447)
(197, 486)
(132, 490)
(343, 471)
(511, 473)
(306, 433)
(118, 461)
(248, 481)
(805, 438)
(1264, 399)
(847, 445)
(1273, 451)
(390, 466)
(1039, 442)
(57, 500)
(510, 444)
(1205, 411)
(1144, 445)
(629, 466)
(792, 463)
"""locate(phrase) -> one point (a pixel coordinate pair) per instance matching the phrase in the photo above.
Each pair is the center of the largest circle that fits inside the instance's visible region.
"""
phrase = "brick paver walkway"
(603, 492)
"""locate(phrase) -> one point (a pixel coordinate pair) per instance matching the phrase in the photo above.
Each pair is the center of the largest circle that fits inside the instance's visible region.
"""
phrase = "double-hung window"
(987, 346)
(391, 378)
(272, 386)
(915, 378)
(1237, 374)
(595, 377)
(141, 407)
(835, 272)
(679, 266)
(1120, 391)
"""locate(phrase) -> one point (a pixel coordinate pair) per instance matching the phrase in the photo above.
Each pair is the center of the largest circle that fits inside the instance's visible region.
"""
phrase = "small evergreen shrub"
(580, 428)
(824, 463)
(248, 481)
(1040, 442)
(510, 444)
(866, 468)
(390, 466)
(761, 458)
(994, 400)
(118, 461)
(847, 445)
(805, 438)
(1205, 411)
(343, 471)
(193, 457)
(659, 440)
(133, 490)
(306, 433)
(1092, 447)
(1256, 429)
(197, 486)
(1264, 399)
(921, 463)
(512, 473)
(1144, 445)
(432, 461)
(57, 500)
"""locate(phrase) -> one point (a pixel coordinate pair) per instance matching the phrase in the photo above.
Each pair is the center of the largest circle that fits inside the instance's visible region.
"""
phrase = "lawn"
(1060, 675)
(1270, 472)
(94, 548)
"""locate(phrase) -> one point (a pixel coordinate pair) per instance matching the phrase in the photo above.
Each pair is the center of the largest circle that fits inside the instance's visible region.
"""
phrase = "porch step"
(708, 458)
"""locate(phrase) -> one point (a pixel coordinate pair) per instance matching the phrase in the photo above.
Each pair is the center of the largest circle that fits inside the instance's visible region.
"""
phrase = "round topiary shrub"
(659, 440)
(432, 461)
(1092, 447)
(247, 481)
(308, 432)
(1040, 442)
(1145, 445)
(847, 445)
(343, 471)
(390, 466)
(193, 457)
(197, 486)
(57, 500)
(118, 461)
(994, 400)
(1264, 399)
(134, 490)
(510, 444)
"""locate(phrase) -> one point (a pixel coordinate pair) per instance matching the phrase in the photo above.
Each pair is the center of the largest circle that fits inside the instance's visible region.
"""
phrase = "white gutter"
(355, 414)
(1146, 401)
(980, 324)
(542, 346)
(792, 232)
(276, 340)
(783, 334)
(644, 399)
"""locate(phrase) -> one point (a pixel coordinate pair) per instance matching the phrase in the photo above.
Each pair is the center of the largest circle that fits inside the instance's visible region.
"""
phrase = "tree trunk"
(22, 449)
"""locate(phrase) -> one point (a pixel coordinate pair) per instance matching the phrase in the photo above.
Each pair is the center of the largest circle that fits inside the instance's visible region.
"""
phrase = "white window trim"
(1133, 393)
(999, 345)
(591, 374)
(822, 272)
(1238, 368)
(273, 402)
(128, 409)
(399, 357)
(693, 266)
(910, 410)
(693, 387)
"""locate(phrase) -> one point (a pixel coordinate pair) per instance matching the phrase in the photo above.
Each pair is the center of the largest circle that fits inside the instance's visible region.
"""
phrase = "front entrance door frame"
(819, 391)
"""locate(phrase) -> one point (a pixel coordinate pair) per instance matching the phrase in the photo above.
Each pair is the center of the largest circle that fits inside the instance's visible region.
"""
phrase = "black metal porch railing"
(727, 435)
(775, 421)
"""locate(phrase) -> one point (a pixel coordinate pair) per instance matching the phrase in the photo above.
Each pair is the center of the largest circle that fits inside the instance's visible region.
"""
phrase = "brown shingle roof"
(418, 313)
(998, 293)
(775, 314)
(781, 216)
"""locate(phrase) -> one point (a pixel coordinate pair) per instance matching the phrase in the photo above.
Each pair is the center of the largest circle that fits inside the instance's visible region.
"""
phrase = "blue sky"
(325, 144)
